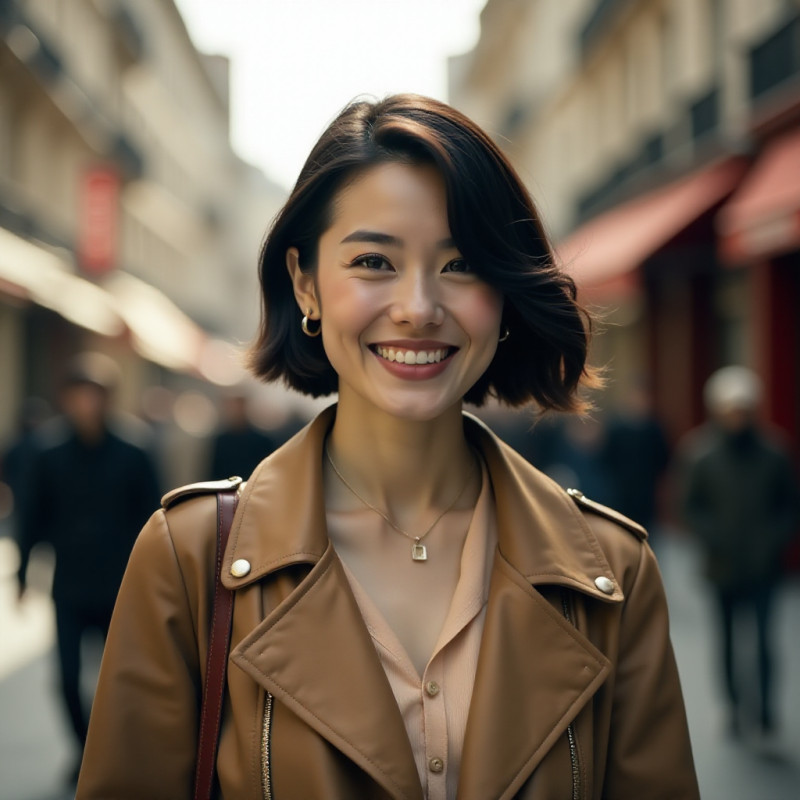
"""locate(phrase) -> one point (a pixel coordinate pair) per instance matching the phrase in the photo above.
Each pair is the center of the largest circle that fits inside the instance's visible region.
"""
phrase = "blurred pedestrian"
(534, 436)
(418, 612)
(239, 445)
(17, 460)
(636, 454)
(89, 491)
(740, 501)
(578, 457)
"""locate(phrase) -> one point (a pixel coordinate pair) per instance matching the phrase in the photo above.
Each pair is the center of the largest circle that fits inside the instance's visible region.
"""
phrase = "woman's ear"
(305, 291)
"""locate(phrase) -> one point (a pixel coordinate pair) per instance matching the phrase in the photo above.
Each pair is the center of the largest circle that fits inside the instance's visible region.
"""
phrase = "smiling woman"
(419, 612)
(487, 213)
(392, 289)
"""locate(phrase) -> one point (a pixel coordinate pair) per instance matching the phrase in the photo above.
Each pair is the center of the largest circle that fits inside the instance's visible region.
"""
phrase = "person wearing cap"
(90, 489)
(740, 501)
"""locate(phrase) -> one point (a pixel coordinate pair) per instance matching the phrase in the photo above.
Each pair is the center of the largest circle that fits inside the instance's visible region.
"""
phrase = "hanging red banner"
(97, 243)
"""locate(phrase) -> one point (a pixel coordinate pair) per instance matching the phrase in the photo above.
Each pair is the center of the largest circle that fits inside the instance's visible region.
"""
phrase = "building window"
(776, 59)
(653, 150)
(704, 114)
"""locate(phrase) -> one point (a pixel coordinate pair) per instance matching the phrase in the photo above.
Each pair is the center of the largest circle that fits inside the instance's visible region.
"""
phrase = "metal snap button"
(605, 585)
(240, 568)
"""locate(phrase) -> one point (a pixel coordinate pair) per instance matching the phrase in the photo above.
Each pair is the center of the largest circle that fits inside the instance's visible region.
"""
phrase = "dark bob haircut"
(494, 224)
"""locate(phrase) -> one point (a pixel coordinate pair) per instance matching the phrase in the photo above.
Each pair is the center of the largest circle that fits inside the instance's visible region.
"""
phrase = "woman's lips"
(412, 356)
(418, 363)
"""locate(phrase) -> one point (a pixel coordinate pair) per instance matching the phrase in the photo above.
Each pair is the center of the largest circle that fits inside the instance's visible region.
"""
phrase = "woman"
(418, 612)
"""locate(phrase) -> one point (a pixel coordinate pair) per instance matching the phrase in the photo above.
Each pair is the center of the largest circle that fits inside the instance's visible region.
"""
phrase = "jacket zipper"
(266, 735)
(573, 743)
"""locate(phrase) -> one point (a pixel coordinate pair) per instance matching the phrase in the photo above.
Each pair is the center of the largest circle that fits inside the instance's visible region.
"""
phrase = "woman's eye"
(372, 261)
(457, 265)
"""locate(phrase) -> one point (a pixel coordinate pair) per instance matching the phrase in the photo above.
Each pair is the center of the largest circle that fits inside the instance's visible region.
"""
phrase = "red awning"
(763, 216)
(604, 253)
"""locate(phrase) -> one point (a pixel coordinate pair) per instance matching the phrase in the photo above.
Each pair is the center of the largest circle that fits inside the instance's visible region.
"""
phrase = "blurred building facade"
(661, 140)
(127, 222)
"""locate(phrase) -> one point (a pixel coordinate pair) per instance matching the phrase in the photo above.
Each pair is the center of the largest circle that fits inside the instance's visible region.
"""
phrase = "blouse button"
(432, 688)
(436, 765)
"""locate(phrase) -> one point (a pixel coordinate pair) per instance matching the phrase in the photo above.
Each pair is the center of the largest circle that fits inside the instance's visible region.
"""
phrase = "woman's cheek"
(487, 308)
(348, 300)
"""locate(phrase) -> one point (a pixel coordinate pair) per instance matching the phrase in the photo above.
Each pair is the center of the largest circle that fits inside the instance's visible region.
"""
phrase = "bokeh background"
(145, 147)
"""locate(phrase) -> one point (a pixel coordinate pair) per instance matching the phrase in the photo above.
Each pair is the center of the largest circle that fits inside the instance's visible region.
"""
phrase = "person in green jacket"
(740, 502)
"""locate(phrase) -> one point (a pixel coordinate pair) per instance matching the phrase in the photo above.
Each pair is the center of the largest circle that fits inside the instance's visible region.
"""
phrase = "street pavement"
(35, 748)
(729, 769)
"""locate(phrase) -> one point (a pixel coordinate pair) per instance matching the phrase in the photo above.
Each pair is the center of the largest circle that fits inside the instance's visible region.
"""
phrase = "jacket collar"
(541, 533)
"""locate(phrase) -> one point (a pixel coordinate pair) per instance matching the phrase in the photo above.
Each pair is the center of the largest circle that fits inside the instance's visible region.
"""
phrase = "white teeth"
(411, 356)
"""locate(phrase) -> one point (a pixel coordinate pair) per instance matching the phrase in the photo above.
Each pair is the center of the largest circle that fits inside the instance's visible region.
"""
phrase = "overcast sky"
(295, 63)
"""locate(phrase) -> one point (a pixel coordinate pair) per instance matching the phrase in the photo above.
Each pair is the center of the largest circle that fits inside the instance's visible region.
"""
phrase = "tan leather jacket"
(576, 693)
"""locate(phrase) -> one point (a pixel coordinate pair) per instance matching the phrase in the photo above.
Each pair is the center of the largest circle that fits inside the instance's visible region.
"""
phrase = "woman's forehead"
(394, 195)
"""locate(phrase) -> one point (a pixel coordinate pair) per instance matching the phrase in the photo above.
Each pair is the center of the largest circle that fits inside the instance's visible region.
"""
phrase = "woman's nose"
(417, 301)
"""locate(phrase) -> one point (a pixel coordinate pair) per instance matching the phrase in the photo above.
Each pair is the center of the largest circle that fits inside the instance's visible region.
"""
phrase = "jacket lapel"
(313, 651)
(535, 673)
(315, 655)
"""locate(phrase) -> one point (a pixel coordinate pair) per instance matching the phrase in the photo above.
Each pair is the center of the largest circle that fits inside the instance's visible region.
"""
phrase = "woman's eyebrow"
(375, 237)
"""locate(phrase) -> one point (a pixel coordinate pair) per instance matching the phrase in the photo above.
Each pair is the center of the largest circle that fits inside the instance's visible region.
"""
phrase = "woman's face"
(406, 323)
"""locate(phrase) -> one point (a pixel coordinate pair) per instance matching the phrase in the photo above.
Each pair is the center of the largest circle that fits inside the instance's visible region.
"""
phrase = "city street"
(35, 752)
(535, 202)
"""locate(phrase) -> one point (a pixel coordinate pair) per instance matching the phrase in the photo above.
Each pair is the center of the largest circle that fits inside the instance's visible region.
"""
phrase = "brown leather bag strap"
(217, 659)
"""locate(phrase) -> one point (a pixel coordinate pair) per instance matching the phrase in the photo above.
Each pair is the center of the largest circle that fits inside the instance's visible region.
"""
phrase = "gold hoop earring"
(304, 325)
(505, 334)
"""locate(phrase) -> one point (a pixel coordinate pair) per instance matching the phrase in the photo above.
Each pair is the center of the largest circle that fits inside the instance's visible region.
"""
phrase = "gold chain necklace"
(418, 550)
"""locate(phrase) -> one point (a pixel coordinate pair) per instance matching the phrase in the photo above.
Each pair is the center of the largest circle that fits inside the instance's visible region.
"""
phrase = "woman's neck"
(406, 468)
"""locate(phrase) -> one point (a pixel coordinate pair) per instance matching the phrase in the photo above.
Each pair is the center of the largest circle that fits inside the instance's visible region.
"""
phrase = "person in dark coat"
(740, 501)
(19, 455)
(637, 454)
(239, 446)
(90, 489)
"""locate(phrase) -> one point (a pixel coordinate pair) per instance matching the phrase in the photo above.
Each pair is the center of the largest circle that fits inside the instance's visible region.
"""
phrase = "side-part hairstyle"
(493, 222)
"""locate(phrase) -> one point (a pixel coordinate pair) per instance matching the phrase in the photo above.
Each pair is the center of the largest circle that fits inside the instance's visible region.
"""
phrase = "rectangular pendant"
(418, 552)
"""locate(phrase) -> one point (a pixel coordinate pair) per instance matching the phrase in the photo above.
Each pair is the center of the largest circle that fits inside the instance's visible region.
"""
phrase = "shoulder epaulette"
(609, 513)
(182, 493)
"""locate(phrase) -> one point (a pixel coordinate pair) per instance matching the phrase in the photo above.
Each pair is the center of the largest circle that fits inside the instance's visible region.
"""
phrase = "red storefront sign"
(97, 243)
